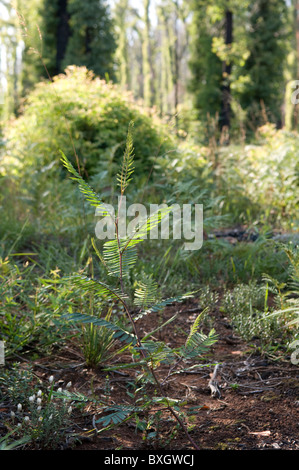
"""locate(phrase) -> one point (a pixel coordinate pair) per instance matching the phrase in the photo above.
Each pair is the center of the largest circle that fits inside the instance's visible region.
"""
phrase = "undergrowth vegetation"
(59, 286)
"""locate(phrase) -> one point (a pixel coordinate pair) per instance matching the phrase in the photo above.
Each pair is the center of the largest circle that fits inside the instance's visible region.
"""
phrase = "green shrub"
(260, 181)
(76, 109)
(95, 113)
(252, 184)
(246, 306)
(39, 417)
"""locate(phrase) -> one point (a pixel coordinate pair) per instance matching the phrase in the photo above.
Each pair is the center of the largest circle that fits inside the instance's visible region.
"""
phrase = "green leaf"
(198, 344)
(124, 177)
(120, 333)
(119, 256)
(146, 293)
(90, 195)
(163, 303)
(117, 414)
(195, 327)
(95, 286)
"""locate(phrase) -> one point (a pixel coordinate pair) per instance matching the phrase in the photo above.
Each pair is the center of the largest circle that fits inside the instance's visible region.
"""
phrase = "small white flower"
(39, 393)
(31, 399)
(26, 419)
(51, 378)
(12, 414)
(69, 384)
(50, 417)
(38, 401)
(39, 408)
(19, 425)
(69, 410)
(59, 389)
(19, 407)
(40, 418)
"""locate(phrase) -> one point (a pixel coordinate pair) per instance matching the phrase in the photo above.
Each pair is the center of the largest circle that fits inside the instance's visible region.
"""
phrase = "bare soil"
(257, 407)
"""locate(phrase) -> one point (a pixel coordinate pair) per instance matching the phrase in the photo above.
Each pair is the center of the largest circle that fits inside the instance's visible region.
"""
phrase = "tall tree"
(91, 37)
(72, 33)
(165, 63)
(225, 113)
(176, 64)
(147, 58)
(205, 65)
(10, 52)
(152, 54)
(122, 53)
(62, 33)
(264, 65)
(173, 50)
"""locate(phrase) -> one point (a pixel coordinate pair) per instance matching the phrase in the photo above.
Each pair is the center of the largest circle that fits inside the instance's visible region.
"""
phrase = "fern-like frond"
(99, 255)
(147, 225)
(127, 169)
(119, 256)
(157, 352)
(164, 303)
(95, 286)
(117, 414)
(146, 293)
(198, 344)
(195, 326)
(119, 333)
(90, 195)
(293, 256)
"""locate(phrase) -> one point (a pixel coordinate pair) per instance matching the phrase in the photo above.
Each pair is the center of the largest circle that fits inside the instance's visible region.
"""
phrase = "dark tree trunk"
(225, 114)
(63, 33)
(88, 36)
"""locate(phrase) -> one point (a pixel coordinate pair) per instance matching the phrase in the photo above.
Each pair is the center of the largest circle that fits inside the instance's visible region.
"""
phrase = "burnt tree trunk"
(225, 114)
(63, 33)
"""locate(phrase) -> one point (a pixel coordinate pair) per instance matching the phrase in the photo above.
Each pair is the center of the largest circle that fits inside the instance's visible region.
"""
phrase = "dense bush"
(257, 183)
(95, 113)
(261, 180)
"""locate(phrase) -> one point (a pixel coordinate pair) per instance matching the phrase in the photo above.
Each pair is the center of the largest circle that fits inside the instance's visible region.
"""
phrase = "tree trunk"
(122, 50)
(63, 32)
(225, 114)
(176, 68)
(146, 57)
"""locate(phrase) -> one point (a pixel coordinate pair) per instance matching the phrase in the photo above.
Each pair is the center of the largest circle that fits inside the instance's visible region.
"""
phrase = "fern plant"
(119, 256)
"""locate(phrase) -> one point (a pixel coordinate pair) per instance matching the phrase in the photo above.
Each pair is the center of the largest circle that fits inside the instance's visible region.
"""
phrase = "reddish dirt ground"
(258, 407)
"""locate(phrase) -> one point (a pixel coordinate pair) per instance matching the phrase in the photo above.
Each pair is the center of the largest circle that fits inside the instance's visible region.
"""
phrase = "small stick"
(213, 383)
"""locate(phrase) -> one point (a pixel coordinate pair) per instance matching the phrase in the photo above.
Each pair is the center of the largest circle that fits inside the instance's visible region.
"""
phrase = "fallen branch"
(213, 383)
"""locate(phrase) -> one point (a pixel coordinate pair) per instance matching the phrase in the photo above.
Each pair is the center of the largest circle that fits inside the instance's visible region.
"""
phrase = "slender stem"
(142, 351)
(120, 252)
(150, 368)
